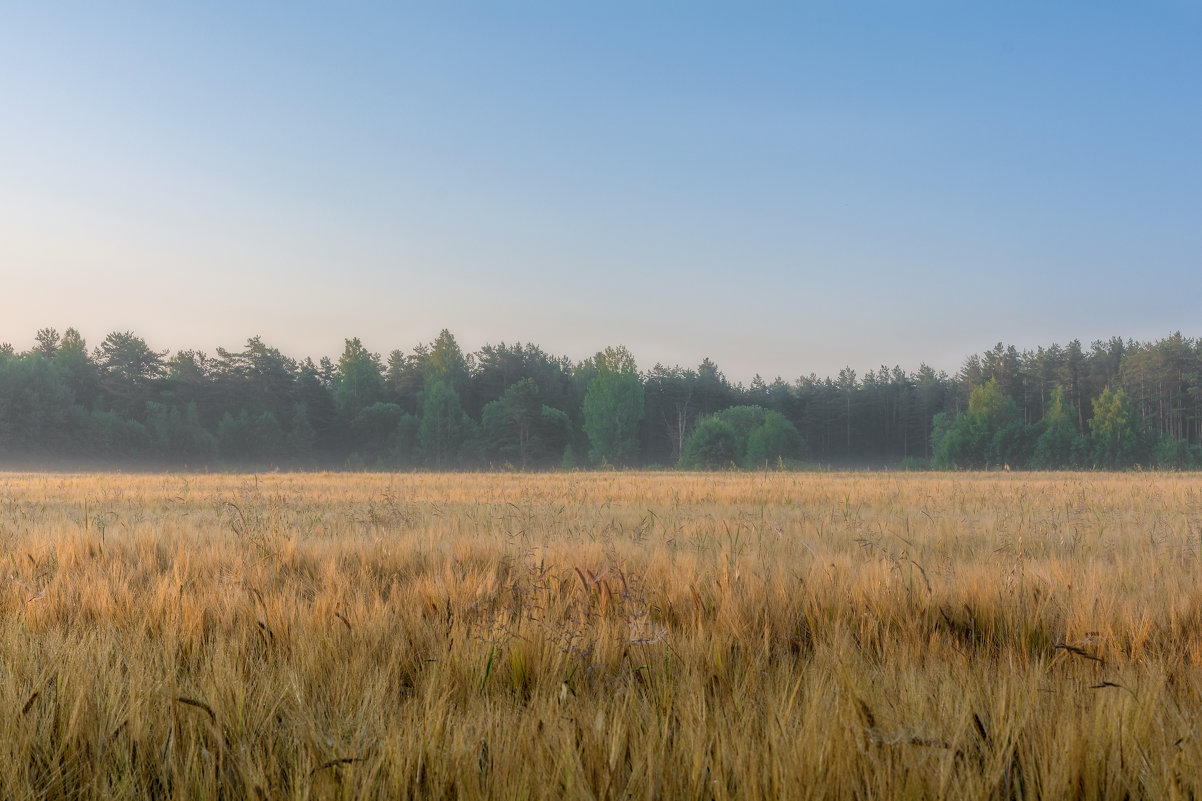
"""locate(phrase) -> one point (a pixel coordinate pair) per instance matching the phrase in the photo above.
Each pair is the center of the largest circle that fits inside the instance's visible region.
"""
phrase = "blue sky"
(784, 188)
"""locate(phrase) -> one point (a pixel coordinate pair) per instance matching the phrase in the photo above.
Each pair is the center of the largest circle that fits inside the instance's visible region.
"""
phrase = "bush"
(773, 442)
(1176, 454)
(713, 445)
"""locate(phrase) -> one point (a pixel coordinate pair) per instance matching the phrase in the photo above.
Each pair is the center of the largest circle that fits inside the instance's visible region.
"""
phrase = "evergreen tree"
(129, 371)
(359, 382)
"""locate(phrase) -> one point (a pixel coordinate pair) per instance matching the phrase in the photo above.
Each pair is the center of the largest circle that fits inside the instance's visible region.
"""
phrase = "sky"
(785, 188)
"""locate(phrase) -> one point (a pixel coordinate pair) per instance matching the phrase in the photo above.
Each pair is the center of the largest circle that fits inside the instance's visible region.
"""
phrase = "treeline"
(1115, 404)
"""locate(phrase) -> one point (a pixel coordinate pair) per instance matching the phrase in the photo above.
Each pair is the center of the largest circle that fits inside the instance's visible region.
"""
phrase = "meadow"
(601, 635)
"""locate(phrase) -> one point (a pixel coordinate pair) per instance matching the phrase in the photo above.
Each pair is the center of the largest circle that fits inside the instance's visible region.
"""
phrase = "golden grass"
(611, 635)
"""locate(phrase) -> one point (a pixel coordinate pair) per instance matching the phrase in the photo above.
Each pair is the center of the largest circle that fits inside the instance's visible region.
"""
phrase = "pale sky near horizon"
(783, 188)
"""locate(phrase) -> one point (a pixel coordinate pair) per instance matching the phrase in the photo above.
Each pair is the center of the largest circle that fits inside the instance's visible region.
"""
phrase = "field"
(608, 635)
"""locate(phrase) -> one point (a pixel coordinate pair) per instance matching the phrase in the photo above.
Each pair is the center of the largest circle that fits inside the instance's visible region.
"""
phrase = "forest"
(1111, 405)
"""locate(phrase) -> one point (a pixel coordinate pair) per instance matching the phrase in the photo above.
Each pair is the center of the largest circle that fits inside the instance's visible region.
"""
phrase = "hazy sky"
(785, 188)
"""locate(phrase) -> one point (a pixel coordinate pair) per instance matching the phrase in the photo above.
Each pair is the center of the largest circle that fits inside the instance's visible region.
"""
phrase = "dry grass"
(600, 636)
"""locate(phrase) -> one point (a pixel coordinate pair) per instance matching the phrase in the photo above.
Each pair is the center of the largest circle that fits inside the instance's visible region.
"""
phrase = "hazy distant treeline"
(1114, 404)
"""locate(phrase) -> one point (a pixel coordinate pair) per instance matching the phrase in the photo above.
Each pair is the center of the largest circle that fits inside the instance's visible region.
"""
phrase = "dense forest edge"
(1114, 405)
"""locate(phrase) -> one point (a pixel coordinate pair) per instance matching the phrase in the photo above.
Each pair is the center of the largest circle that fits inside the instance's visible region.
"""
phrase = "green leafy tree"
(302, 436)
(189, 379)
(35, 407)
(510, 422)
(1012, 444)
(613, 408)
(1170, 453)
(316, 394)
(554, 435)
(375, 432)
(524, 408)
(1113, 430)
(77, 368)
(253, 439)
(445, 427)
(743, 419)
(991, 433)
(407, 439)
(773, 442)
(495, 368)
(178, 435)
(713, 445)
(947, 440)
(1059, 445)
(519, 426)
(109, 436)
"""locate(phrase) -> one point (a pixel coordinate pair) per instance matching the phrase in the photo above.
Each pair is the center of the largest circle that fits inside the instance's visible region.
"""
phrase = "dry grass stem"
(610, 636)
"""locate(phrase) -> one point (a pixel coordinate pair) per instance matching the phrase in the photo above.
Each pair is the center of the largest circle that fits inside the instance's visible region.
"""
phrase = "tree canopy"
(1111, 404)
